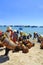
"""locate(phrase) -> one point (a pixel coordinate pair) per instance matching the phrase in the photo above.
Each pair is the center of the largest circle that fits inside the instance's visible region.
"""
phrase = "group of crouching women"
(16, 41)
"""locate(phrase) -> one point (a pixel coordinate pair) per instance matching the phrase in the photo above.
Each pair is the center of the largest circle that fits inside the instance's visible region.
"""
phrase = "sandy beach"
(21, 32)
(33, 57)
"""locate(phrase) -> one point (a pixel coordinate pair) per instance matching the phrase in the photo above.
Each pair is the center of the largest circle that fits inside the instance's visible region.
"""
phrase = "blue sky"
(21, 12)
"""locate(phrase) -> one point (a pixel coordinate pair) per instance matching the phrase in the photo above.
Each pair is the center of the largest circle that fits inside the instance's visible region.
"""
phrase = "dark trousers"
(7, 51)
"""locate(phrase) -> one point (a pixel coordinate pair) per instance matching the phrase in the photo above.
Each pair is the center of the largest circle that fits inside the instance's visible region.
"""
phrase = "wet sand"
(33, 57)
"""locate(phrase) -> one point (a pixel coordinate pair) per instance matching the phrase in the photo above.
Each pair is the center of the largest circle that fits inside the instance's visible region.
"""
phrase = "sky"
(21, 12)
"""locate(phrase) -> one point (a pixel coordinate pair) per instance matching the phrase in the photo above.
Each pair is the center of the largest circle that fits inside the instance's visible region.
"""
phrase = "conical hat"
(9, 28)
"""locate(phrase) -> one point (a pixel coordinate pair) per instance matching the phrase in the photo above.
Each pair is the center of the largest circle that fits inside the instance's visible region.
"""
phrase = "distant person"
(35, 35)
(15, 35)
(29, 36)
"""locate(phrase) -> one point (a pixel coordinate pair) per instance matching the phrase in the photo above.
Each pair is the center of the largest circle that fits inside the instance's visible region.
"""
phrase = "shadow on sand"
(3, 58)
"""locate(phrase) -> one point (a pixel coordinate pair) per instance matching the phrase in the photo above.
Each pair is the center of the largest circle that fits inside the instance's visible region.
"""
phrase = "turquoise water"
(25, 29)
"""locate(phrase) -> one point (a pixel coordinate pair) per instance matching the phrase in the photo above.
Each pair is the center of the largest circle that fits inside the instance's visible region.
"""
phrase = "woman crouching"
(9, 44)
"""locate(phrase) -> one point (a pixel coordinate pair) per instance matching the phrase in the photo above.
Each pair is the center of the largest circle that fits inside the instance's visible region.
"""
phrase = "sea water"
(25, 29)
